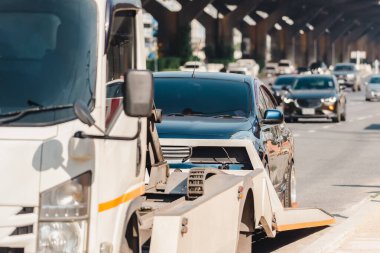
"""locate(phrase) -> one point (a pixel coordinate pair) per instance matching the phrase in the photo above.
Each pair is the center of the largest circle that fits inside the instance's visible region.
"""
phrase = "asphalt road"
(337, 166)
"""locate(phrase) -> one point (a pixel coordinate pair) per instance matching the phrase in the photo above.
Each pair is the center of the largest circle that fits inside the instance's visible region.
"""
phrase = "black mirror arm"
(83, 135)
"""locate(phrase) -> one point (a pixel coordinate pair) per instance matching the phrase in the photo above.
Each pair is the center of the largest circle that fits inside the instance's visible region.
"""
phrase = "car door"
(271, 142)
(278, 143)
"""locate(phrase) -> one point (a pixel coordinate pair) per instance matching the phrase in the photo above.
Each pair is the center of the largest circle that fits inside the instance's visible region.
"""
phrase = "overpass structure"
(300, 30)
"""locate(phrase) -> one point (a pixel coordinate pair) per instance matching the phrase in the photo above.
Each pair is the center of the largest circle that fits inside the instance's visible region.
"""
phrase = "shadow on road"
(282, 239)
(373, 127)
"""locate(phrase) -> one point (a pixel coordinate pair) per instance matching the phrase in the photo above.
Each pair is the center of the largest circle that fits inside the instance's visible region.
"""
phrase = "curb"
(336, 236)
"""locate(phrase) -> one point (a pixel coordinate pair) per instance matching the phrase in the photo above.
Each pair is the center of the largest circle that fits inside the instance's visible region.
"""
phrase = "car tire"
(290, 198)
(343, 116)
(337, 118)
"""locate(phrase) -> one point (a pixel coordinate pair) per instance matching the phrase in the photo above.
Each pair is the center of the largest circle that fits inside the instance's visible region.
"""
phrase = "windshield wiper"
(12, 116)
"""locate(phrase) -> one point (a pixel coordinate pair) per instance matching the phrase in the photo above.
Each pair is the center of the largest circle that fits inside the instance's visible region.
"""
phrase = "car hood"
(201, 127)
(305, 94)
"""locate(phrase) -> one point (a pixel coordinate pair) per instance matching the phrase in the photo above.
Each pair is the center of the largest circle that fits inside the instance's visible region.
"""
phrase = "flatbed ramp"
(229, 205)
(291, 219)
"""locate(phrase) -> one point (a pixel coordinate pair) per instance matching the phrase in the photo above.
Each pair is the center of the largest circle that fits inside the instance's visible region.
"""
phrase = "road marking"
(296, 135)
(351, 120)
(326, 127)
(311, 131)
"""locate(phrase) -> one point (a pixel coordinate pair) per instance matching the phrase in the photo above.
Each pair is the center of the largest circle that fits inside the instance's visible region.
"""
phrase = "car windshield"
(47, 57)
(283, 81)
(203, 97)
(375, 80)
(314, 83)
(344, 68)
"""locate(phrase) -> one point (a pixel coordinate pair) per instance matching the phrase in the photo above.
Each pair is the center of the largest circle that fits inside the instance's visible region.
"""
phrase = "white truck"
(76, 142)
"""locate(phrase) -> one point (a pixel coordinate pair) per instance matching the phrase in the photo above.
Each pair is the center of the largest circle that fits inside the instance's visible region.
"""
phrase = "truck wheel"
(290, 198)
(131, 242)
(247, 225)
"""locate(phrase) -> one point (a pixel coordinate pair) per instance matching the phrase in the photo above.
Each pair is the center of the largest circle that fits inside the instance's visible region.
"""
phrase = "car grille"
(309, 103)
(176, 152)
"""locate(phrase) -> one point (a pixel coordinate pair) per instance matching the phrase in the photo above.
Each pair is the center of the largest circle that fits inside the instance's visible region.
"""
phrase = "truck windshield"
(47, 58)
(202, 97)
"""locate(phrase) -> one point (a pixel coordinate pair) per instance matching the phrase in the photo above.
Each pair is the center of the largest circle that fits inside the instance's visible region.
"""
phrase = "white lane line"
(326, 127)
(296, 135)
(311, 131)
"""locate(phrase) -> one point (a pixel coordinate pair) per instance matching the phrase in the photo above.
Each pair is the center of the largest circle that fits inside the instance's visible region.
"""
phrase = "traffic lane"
(338, 164)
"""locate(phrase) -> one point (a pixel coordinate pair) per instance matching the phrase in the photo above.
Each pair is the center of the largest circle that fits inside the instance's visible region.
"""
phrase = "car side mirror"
(138, 93)
(273, 117)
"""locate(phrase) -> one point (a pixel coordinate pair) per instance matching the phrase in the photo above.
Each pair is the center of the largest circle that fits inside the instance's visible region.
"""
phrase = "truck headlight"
(330, 100)
(63, 219)
(288, 100)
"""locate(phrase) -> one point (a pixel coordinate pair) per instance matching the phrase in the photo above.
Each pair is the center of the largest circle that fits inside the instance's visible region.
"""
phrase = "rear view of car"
(281, 85)
(347, 75)
(315, 96)
(285, 67)
(373, 88)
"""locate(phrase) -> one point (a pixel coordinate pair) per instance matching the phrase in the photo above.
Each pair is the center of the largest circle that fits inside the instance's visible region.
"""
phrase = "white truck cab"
(59, 192)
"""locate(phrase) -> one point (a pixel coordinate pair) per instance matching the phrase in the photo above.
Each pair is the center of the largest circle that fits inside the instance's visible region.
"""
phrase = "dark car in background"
(319, 67)
(315, 96)
(281, 85)
(347, 75)
(228, 106)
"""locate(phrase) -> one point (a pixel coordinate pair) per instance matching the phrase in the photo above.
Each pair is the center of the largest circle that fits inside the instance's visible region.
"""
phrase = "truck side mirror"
(138, 93)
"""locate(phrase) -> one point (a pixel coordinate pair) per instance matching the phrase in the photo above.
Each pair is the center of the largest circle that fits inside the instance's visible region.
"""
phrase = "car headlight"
(288, 100)
(63, 219)
(243, 135)
(328, 100)
(350, 76)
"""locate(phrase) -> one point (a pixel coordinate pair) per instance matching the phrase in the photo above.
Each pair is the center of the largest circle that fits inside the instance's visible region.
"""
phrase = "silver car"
(373, 88)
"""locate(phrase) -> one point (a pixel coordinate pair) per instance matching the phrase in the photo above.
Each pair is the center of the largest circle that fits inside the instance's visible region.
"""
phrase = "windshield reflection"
(47, 56)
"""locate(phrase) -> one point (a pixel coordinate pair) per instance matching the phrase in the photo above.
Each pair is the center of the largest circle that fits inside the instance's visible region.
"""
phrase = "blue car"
(228, 106)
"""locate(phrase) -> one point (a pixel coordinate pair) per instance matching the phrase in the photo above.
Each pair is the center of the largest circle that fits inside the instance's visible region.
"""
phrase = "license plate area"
(308, 111)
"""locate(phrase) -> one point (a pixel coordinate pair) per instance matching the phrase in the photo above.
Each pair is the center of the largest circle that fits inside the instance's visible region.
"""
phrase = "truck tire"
(290, 198)
(247, 225)
(131, 242)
